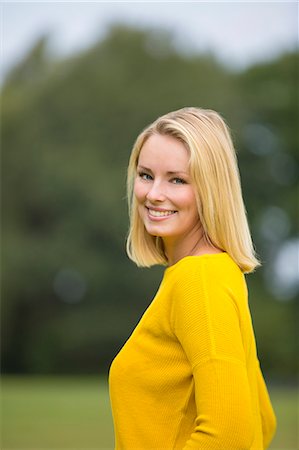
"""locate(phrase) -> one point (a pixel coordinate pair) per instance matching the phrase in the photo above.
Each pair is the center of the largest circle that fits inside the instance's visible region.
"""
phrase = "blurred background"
(79, 81)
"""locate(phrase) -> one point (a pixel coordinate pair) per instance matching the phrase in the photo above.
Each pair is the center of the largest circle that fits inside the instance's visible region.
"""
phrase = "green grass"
(74, 413)
(286, 405)
(56, 413)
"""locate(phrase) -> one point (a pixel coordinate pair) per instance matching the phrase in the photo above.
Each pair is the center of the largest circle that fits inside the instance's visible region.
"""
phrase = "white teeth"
(160, 213)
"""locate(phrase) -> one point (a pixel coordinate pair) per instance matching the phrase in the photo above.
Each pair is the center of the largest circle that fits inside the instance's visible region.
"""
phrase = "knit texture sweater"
(188, 377)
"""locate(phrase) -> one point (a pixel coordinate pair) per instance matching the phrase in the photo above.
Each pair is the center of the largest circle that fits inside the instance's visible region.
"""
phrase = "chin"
(159, 233)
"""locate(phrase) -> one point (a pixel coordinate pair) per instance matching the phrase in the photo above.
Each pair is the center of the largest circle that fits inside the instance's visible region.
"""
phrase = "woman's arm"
(267, 413)
(206, 322)
(224, 419)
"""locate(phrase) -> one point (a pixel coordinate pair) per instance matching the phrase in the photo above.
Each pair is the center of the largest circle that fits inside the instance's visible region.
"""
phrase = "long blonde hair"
(215, 175)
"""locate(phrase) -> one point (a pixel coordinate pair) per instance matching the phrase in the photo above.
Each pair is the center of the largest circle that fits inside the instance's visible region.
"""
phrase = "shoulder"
(192, 268)
(215, 277)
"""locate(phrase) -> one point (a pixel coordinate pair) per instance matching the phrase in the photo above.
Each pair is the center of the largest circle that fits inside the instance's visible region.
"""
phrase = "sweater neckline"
(205, 255)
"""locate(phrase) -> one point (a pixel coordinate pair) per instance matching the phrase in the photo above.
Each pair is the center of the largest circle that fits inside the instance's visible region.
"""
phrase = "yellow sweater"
(188, 377)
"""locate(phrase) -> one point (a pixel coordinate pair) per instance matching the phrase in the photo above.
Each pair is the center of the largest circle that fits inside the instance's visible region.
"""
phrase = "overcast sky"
(238, 32)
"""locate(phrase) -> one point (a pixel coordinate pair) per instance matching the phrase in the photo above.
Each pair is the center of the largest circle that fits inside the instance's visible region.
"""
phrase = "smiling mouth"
(156, 213)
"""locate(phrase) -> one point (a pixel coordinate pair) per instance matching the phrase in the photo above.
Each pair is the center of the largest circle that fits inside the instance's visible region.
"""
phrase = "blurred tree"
(70, 296)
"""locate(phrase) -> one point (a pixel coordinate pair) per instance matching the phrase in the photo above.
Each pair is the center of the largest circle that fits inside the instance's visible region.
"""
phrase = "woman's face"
(165, 196)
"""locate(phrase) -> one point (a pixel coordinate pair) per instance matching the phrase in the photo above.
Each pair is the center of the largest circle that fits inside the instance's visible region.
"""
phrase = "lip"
(155, 208)
(161, 218)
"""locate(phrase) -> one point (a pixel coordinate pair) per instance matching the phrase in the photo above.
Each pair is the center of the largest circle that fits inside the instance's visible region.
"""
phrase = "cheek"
(186, 199)
(139, 190)
(192, 201)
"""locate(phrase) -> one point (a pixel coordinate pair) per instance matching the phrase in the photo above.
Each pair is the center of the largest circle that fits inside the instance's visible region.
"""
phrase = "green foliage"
(70, 297)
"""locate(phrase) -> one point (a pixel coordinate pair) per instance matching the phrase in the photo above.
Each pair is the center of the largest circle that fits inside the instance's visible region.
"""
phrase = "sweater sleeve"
(267, 413)
(206, 323)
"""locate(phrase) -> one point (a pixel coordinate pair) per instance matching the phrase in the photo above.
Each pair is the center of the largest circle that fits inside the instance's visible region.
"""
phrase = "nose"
(156, 193)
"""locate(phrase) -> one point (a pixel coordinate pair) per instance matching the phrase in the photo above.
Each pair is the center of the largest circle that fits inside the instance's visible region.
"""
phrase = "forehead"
(164, 151)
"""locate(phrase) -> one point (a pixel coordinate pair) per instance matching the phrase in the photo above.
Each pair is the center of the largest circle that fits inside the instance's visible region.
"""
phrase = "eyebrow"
(170, 172)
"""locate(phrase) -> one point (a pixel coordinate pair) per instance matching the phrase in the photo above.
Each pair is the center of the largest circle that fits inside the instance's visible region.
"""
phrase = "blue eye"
(145, 176)
(178, 181)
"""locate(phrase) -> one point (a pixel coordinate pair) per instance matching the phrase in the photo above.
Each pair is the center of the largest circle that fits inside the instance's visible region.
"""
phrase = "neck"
(196, 245)
(176, 249)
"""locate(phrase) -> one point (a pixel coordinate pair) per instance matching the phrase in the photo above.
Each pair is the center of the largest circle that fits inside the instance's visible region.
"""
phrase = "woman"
(188, 377)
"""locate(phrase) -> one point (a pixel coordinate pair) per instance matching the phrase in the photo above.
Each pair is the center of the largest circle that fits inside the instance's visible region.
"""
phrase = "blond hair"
(215, 176)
